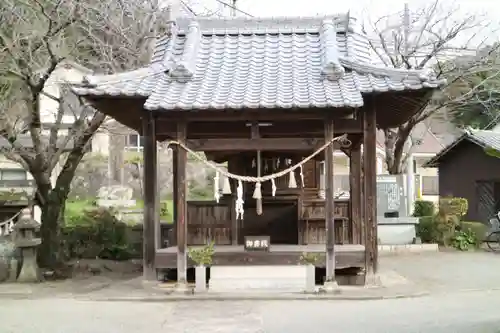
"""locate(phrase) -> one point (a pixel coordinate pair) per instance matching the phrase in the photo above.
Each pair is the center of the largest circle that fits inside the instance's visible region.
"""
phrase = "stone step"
(259, 278)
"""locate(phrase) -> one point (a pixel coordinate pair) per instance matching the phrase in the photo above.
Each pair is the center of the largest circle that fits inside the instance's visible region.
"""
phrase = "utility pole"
(410, 172)
(233, 8)
(406, 27)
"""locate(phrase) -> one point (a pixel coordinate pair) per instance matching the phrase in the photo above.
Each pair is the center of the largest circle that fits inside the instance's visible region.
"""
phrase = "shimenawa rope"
(249, 179)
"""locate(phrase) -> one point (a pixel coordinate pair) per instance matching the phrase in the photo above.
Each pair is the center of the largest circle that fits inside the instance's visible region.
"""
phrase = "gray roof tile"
(259, 63)
(483, 138)
(487, 139)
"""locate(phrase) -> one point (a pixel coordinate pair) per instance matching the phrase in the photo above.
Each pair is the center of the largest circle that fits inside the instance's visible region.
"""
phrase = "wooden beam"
(251, 115)
(280, 144)
(240, 129)
(180, 205)
(150, 197)
(329, 205)
(370, 190)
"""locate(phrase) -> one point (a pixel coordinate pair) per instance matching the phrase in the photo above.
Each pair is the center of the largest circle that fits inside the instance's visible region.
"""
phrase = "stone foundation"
(258, 278)
(408, 248)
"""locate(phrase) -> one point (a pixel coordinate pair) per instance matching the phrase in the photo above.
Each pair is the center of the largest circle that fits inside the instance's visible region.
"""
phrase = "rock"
(4, 269)
(115, 192)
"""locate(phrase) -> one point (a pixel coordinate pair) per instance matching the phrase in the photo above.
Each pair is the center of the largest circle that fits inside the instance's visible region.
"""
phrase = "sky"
(376, 8)
(363, 10)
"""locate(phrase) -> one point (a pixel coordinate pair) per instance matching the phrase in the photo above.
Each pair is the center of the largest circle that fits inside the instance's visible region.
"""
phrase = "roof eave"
(434, 162)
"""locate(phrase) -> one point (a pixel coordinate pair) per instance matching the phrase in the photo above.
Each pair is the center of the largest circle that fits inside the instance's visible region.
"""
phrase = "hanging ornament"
(257, 194)
(278, 163)
(292, 183)
(216, 187)
(302, 176)
(265, 166)
(253, 163)
(226, 188)
(239, 201)
(273, 187)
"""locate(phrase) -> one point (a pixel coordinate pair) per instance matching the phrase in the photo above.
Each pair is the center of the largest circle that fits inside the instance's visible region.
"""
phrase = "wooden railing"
(211, 221)
(208, 221)
(312, 222)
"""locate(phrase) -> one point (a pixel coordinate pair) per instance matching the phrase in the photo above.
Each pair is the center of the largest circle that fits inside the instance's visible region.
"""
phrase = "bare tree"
(36, 38)
(429, 38)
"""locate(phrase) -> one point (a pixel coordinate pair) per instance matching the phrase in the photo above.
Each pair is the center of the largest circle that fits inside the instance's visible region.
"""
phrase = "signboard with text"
(391, 196)
(257, 243)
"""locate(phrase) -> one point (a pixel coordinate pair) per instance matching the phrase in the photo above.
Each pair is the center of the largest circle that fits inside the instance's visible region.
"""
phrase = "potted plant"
(310, 259)
(202, 257)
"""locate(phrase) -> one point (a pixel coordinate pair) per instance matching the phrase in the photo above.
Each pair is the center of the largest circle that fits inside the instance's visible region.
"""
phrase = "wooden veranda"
(279, 88)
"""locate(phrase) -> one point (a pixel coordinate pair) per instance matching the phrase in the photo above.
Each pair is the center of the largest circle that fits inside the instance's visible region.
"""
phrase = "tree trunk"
(395, 141)
(49, 252)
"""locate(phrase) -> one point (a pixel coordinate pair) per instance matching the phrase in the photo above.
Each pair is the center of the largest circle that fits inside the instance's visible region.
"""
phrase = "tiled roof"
(482, 138)
(487, 139)
(258, 63)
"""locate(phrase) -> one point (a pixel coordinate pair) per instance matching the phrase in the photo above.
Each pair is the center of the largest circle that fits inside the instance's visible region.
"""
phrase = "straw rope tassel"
(273, 187)
(216, 187)
(292, 183)
(239, 201)
(301, 176)
(226, 188)
(257, 193)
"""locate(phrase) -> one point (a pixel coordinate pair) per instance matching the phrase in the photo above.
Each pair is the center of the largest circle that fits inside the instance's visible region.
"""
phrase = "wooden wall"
(292, 216)
(207, 221)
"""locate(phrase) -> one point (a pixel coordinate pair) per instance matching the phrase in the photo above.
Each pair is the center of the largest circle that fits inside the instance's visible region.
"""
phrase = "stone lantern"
(27, 243)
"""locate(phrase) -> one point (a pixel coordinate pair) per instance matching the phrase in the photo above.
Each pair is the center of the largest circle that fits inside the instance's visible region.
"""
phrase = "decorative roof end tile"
(331, 67)
(184, 69)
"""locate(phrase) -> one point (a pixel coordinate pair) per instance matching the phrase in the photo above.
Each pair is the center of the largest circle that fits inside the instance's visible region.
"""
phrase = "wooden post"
(232, 166)
(370, 190)
(355, 192)
(329, 205)
(180, 205)
(175, 191)
(150, 197)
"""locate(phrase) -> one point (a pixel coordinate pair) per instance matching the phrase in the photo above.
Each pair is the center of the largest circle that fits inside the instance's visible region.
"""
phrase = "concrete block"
(200, 279)
(253, 278)
(408, 248)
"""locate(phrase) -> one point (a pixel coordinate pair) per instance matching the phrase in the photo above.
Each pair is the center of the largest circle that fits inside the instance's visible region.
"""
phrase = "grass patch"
(78, 208)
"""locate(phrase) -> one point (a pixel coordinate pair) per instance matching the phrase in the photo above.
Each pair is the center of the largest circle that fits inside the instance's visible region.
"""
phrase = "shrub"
(424, 208)
(478, 228)
(451, 210)
(202, 256)
(427, 230)
(96, 234)
(7, 249)
(464, 240)
(454, 206)
(309, 258)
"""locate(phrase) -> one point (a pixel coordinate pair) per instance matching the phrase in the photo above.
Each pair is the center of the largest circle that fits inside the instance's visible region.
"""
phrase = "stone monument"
(395, 227)
(26, 241)
(115, 196)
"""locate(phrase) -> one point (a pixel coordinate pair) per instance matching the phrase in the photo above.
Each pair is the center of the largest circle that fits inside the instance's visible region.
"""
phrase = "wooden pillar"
(180, 204)
(150, 197)
(175, 158)
(329, 204)
(232, 166)
(370, 189)
(355, 192)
